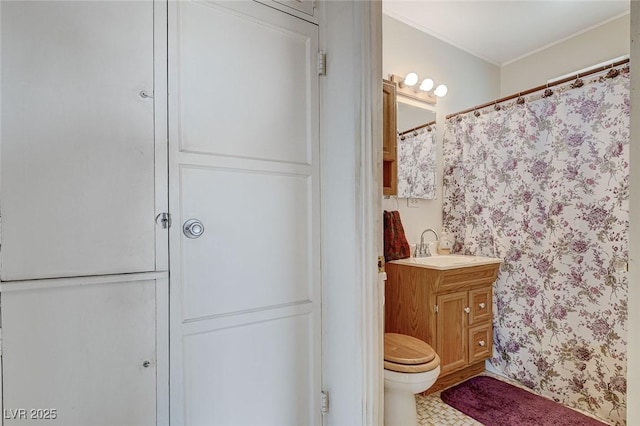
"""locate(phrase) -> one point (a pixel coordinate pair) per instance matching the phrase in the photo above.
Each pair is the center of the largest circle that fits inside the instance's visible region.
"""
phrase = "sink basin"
(447, 261)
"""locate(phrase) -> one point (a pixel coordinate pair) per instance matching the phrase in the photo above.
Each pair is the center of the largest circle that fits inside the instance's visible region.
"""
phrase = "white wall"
(471, 81)
(607, 41)
(633, 332)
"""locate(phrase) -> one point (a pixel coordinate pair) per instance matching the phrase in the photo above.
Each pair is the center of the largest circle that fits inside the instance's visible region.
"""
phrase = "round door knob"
(193, 228)
(482, 305)
(467, 309)
(146, 364)
(481, 343)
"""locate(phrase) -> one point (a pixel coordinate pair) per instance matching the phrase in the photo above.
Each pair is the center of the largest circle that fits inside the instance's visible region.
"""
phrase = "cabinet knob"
(467, 309)
(482, 306)
(481, 343)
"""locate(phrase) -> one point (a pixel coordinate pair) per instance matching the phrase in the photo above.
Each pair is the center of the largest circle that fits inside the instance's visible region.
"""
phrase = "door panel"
(254, 104)
(255, 252)
(79, 349)
(244, 160)
(252, 374)
(77, 163)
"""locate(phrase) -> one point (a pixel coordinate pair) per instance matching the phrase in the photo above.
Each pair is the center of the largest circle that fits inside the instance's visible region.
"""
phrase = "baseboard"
(490, 368)
(456, 377)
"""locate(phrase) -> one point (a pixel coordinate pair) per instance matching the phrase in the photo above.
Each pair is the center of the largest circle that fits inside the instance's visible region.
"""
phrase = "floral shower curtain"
(417, 164)
(544, 185)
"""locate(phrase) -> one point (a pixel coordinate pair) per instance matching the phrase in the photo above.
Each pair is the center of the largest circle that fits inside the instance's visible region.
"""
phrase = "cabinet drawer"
(481, 305)
(464, 278)
(480, 343)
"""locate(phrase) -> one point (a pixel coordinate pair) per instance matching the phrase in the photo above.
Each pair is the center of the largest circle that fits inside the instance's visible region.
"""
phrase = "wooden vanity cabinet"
(449, 309)
(389, 139)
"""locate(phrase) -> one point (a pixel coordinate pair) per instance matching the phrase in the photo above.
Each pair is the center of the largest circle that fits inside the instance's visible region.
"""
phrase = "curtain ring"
(459, 118)
(496, 106)
(548, 92)
(578, 82)
(476, 113)
(520, 100)
(613, 72)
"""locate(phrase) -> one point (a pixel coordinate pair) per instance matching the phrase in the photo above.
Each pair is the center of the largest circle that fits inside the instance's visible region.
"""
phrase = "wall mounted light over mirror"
(422, 90)
(416, 144)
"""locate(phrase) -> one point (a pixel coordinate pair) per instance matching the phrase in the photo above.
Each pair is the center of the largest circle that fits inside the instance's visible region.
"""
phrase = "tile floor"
(432, 411)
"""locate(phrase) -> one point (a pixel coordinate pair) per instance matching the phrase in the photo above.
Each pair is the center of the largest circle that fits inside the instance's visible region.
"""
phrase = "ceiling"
(503, 31)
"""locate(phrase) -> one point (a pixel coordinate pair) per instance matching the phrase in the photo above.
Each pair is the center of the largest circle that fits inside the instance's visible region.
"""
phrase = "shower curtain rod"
(431, 123)
(543, 87)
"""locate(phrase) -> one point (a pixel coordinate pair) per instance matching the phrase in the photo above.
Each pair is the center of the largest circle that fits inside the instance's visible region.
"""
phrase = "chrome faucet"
(422, 250)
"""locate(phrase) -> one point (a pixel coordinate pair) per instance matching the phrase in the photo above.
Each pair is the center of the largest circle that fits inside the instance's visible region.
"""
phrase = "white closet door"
(80, 350)
(245, 301)
(77, 138)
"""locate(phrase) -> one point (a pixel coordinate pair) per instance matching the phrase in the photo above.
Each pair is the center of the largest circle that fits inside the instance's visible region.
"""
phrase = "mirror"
(411, 116)
(416, 149)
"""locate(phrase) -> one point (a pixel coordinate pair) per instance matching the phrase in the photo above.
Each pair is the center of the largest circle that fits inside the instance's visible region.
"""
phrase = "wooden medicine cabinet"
(389, 139)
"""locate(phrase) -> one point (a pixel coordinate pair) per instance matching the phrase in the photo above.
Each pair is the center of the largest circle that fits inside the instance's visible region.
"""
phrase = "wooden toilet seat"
(406, 354)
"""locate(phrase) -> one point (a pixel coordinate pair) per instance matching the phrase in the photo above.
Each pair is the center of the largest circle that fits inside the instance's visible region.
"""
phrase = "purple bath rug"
(496, 403)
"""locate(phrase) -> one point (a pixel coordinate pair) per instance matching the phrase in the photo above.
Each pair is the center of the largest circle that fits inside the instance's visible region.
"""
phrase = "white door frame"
(370, 201)
(351, 141)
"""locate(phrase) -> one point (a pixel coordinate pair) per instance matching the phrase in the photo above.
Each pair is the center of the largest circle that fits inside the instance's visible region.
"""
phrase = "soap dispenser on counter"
(445, 245)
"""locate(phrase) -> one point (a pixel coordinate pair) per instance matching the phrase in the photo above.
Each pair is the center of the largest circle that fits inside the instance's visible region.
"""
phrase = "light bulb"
(440, 91)
(411, 79)
(426, 85)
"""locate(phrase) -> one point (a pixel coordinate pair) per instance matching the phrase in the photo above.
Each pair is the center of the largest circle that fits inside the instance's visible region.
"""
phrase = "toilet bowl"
(411, 366)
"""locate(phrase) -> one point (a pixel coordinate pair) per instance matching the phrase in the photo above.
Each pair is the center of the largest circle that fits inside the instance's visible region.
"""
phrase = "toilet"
(411, 366)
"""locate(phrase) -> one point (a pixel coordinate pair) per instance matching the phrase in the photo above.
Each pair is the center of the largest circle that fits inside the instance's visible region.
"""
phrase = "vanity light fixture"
(423, 93)
(406, 85)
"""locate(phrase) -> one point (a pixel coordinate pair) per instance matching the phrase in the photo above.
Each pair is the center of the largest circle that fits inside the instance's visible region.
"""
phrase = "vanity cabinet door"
(451, 334)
